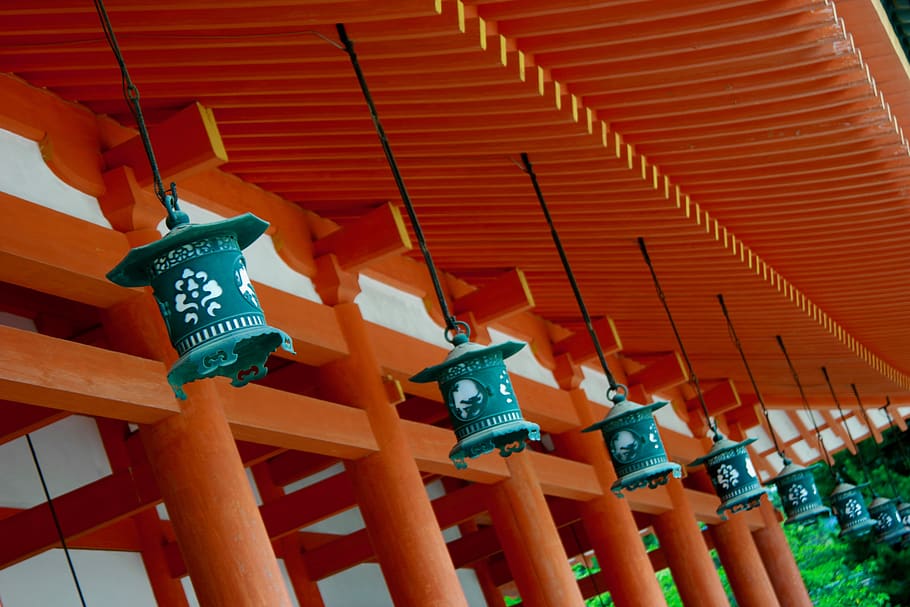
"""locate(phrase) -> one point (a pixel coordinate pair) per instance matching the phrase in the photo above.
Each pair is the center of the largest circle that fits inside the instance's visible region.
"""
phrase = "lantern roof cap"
(132, 271)
(844, 487)
(623, 409)
(465, 350)
(879, 501)
(721, 445)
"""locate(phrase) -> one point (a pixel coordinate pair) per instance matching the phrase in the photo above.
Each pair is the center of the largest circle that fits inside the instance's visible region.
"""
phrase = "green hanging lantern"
(732, 474)
(903, 510)
(212, 313)
(849, 507)
(478, 393)
(799, 494)
(634, 444)
(888, 525)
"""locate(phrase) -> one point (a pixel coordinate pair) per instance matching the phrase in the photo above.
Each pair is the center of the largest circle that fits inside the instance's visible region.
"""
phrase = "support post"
(687, 554)
(778, 559)
(608, 520)
(745, 570)
(529, 538)
(390, 492)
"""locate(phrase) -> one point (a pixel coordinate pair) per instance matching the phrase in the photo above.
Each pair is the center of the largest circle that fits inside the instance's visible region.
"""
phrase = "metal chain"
(895, 431)
(663, 300)
(614, 387)
(452, 325)
(742, 354)
(168, 198)
(878, 448)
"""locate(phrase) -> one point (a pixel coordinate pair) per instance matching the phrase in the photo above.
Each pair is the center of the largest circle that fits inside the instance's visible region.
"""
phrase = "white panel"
(193, 600)
(762, 442)
(107, 579)
(24, 175)
(857, 429)
(805, 452)
(315, 478)
(782, 425)
(263, 262)
(877, 417)
(70, 453)
(343, 523)
(398, 310)
(774, 460)
(667, 418)
(471, 587)
(831, 439)
(359, 586)
(523, 362)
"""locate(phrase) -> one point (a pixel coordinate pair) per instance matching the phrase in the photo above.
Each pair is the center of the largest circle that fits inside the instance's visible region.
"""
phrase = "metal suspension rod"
(859, 454)
(50, 505)
(894, 430)
(451, 324)
(742, 354)
(663, 300)
(878, 448)
(168, 198)
(570, 274)
(802, 395)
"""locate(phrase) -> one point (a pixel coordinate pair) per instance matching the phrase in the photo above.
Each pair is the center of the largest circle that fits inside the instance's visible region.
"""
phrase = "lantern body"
(798, 494)
(903, 511)
(888, 525)
(208, 303)
(849, 507)
(732, 474)
(482, 406)
(634, 444)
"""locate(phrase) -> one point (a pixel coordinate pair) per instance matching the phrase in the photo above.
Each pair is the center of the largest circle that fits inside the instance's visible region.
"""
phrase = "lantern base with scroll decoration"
(799, 494)
(482, 406)
(889, 527)
(732, 474)
(635, 447)
(212, 313)
(849, 507)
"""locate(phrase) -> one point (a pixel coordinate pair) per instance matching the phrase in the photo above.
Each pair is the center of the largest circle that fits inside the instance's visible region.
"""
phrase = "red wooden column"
(390, 492)
(529, 538)
(608, 519)
(741, 561)
(687, 554)
(779, 562)
(198, 469)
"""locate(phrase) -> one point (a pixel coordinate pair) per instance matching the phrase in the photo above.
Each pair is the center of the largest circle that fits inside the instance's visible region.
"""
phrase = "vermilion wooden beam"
(662, 372)
(307, 506)
(18, 420)
(292, 466)
(719, 398)
(508, 294)
(580, 346)
(186, 143)
(376, 235)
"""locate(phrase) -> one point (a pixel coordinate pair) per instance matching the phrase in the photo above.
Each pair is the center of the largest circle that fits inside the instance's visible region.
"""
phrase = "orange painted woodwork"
(745, 571)
(167, 589)
(393, 502)
(18, 419)
(660, 373)
(186, 143)
(507, 294)
(580, 346)
(778, 559)
(529, 538)
(687, 555)
(376, 235)
(608, 520)
(719, 398)
(202, 479)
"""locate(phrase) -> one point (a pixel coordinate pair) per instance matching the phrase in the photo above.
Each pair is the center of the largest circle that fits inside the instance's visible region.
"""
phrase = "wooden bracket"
(506, 295)
(719, 398)
(664, 372)
(376, 235)
(581, 347)
(186, 143)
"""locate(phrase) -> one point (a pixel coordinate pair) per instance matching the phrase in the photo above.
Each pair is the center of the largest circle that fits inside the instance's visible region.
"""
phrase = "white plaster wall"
(107, 579)
(24, 175)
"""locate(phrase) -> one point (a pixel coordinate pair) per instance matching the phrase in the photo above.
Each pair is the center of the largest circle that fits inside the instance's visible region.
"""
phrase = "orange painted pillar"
(290, 547)
(687, 554)
(779, 562)
(390, 492)
(608, 519)
(745, 570)
(198, 469)
(529, 538)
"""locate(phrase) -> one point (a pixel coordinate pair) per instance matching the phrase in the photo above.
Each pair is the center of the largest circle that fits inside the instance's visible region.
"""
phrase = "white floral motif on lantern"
(196, 291)
(750, 469)
(245, 286)
(884, 521)
(852, 509)
(727, 476)
(797, 494)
